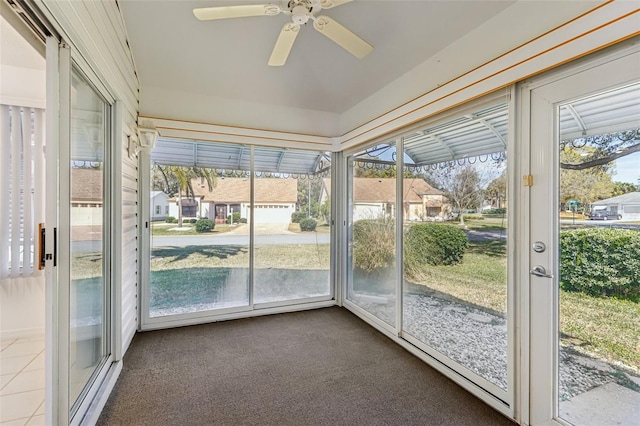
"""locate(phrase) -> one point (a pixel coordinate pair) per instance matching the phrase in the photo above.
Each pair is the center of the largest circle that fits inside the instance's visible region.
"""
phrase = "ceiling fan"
(300, 11)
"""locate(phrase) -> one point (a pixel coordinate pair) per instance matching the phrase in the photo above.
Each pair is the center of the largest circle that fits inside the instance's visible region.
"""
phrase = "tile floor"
(22, 381)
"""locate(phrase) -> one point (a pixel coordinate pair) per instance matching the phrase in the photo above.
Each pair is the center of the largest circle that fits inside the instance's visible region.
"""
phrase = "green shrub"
(308, 224)
(500, 210)
(473, 217)
(204, 225)
(296, 217)
(601, 262)
(373, 244)
(432, 244)
(242, 220)
(235, 217)
(170, 219)
(192, 220)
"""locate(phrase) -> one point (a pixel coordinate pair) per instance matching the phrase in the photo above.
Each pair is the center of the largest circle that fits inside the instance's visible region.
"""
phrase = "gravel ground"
(478, 340)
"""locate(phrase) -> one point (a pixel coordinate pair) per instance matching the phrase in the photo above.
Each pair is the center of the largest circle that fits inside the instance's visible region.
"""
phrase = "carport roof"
(628, 198)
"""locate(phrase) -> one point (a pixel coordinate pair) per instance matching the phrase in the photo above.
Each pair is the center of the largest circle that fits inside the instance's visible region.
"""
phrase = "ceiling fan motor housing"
(300, 14)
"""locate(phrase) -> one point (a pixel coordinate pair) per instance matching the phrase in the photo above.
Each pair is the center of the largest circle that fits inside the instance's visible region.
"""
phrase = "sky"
(628, 169)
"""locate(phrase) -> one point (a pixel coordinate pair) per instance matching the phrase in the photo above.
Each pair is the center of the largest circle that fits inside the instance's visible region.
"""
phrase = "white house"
(626, 205)
(158, 205)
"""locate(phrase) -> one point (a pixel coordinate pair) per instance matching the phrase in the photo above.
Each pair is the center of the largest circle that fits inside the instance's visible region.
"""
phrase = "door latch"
(540, 271)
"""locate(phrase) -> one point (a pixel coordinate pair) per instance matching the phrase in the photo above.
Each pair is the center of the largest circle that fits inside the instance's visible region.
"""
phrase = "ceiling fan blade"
(328, 4)
(284, 44)
(342, 36)
(241, 11)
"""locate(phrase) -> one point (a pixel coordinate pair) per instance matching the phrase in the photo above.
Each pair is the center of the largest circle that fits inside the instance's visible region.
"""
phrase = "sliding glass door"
(235, 228)
(76, 237)
(200, 258)
(90, 289)
(428, 241)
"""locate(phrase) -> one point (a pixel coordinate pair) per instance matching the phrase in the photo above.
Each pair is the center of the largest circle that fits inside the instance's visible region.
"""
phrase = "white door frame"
(538, 130)
(59, 60)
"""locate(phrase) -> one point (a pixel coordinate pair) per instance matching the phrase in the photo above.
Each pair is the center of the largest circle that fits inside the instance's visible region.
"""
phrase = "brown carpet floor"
(319, 367)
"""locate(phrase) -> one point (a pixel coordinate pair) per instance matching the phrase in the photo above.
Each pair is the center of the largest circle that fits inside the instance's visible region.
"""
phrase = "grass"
(323, 228)
(604, 327)
(285, 256)
(165, 229)
(481, 279)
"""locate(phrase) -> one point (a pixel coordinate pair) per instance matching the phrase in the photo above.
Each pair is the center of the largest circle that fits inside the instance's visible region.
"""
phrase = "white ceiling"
(228, 59)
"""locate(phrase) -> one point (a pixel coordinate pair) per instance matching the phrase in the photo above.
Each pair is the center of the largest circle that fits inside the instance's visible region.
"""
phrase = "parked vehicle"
(604, 215)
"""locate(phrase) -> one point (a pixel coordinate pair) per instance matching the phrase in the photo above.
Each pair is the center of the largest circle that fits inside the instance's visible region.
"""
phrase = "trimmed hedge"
(170, 219)
(601, 262)
(296, 217)
(204, 225)
(432, 244)
(308, 224)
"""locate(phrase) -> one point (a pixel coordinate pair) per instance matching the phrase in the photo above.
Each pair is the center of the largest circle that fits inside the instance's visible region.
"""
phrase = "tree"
(620, 188)
(601, 150)
(585, 185)
(181, 177)
(309, 194)
(462, 185)
(496, 192)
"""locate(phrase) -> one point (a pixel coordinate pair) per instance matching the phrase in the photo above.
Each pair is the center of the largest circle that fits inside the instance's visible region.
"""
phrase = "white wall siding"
(129, 278)
(96, 32)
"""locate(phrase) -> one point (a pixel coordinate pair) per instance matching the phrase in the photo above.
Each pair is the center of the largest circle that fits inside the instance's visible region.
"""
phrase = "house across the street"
(275, 200)
(627, 206)
(158, 205)
(375, 197)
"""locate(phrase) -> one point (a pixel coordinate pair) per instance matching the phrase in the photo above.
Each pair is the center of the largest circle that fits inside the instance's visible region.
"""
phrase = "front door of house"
(581, 273)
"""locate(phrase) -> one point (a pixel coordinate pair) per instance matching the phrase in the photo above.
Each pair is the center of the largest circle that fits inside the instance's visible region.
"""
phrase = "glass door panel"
(455, 244)
(291, 214)
(371, 282)
(199, 230)
(585, 285)
(599, 260)
(89, 290)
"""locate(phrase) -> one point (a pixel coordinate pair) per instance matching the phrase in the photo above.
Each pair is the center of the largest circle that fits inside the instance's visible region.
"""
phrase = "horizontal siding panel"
(129, 209)
(83, 31)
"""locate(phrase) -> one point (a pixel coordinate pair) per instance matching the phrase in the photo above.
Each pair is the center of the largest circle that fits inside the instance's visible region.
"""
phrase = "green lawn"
(481, 279)
(161, 228)
(603, 327)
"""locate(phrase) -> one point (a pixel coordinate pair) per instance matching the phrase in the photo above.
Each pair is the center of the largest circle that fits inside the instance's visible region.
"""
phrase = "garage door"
(272, 213)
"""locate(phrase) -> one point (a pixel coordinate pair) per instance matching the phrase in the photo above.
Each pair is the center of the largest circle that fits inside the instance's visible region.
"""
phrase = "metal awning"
(608, 112)
(480, 133)
(483, 132)
(229, 157)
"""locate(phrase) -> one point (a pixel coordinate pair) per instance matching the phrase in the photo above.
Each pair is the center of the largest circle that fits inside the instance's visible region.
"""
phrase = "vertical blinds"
(21, 188)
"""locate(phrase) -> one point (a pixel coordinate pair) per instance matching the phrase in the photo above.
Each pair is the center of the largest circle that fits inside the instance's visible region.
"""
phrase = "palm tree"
(183, 176)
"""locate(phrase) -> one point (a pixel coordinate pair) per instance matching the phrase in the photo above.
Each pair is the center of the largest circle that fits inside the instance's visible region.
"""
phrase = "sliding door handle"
(41, 246)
